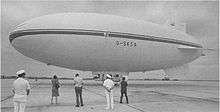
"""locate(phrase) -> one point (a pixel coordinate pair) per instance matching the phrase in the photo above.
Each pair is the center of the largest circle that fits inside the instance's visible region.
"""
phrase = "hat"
(20, 72)
(109, 76)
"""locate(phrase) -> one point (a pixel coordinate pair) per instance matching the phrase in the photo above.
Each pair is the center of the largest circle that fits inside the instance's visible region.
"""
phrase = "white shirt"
(108, 83)
(78, 81)
(20, 87)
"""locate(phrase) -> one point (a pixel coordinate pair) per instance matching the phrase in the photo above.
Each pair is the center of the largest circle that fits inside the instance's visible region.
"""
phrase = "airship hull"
(102, 50)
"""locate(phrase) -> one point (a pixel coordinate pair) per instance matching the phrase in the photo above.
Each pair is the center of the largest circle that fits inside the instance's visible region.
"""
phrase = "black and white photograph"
(109, 56)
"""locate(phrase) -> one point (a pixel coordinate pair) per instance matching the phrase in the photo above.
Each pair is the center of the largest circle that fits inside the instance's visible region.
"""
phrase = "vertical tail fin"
(177, 26)
(173, 22)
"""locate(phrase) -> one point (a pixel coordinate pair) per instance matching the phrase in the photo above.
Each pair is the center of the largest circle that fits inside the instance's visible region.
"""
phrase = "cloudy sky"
(201, 18)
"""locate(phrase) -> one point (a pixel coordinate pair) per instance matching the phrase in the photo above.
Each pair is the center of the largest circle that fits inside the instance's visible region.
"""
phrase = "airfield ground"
(144, 96)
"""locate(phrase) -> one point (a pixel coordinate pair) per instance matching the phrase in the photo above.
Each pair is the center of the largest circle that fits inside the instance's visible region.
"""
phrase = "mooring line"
(11, 95)
(129, 105)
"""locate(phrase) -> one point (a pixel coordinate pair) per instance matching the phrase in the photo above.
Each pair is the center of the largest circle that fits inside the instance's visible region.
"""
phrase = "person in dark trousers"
(124, 85)
(55, 88)
(78, 83)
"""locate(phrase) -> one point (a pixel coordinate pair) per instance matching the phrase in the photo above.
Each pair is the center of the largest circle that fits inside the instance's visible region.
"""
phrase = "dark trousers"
(122, 93)
(78, 91)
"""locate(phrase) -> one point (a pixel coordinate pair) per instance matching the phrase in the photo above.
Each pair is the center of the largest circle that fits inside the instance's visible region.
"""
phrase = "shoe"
(77, 106)
(120, 102)
(82, 105)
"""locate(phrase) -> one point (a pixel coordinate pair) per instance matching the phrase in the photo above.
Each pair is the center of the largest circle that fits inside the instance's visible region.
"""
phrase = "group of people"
(21, 89)
(78, 83)
(109, 86)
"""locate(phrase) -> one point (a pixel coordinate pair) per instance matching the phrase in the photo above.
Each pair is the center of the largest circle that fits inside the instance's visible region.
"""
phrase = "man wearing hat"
(21, 90)
(109, 85)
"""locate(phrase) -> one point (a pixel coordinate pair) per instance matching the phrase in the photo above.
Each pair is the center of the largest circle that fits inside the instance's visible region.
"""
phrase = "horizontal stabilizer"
(177, 70)
(209, 49)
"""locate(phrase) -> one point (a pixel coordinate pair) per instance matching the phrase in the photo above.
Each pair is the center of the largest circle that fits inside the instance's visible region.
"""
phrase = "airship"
(105, 43)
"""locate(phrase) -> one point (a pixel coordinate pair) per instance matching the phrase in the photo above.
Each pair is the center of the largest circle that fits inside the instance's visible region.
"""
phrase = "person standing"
(124, 85)
(109, 85)
(78, 83)
(55, 88)
(21, 89)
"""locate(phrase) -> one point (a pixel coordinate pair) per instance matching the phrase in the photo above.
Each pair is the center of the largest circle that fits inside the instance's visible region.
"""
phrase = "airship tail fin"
(206, 51)
(173, 22)
(174, 72)
(176, 25)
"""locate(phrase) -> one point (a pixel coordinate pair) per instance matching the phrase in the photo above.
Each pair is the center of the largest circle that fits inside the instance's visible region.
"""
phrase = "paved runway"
(144, 96)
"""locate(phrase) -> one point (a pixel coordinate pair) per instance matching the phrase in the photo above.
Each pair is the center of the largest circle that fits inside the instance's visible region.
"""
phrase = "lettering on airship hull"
(126, 43)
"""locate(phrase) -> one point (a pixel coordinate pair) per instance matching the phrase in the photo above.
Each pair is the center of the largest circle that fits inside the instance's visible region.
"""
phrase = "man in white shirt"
(109, 85)
(21, 89)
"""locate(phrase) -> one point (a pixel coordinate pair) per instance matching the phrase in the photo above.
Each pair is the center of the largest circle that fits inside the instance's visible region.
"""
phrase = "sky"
(201, 17)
